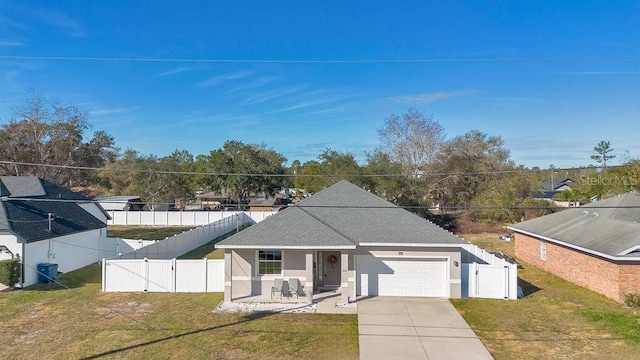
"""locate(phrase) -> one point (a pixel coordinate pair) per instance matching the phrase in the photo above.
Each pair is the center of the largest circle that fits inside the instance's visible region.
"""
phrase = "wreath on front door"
(332, 260)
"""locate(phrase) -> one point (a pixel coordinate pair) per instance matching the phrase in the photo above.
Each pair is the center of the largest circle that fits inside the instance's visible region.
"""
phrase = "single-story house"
(273, 204)
(41, 222)
(596, 246)
(551, 188)
(347, 239)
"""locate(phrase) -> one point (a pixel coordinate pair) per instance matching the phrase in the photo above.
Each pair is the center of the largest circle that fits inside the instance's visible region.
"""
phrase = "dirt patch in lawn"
(82, 322)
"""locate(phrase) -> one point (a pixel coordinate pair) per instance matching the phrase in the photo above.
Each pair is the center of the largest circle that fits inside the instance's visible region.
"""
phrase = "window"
(269, 262)
(543, 250)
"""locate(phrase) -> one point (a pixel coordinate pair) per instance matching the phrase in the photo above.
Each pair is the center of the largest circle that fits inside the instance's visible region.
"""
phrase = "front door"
(331, 268)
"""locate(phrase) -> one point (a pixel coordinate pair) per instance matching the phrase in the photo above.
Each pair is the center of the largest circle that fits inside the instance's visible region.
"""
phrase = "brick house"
(596, 246)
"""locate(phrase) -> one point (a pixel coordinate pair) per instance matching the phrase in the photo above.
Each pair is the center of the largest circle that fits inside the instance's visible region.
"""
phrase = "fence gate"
(489, 281)
(154, 275)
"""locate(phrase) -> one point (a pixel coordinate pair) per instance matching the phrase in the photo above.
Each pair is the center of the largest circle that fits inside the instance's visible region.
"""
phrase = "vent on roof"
(595, 214)
(585, 212)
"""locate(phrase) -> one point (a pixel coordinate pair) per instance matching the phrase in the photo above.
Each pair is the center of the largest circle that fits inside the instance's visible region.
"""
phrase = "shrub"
(10, 272)
(632, 300)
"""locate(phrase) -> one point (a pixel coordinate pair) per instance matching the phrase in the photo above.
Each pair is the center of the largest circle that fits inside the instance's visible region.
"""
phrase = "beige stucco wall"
(298, 264)
(247, 282)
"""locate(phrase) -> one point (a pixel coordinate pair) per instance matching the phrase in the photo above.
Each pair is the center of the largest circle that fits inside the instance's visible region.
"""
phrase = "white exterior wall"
(70, 252)
(450, 254)
(11, 242)
(94, 210)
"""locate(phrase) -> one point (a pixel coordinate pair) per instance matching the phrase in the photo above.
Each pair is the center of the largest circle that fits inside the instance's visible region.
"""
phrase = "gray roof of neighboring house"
(27, 202)
(609, 228)
(547, 185)
(343, 215)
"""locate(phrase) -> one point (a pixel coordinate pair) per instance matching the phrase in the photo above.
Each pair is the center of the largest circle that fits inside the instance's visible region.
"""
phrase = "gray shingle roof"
(24, 210)
(609, 227)
(343, 215)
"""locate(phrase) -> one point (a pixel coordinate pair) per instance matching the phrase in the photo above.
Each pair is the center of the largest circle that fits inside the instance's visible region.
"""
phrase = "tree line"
(415, 164)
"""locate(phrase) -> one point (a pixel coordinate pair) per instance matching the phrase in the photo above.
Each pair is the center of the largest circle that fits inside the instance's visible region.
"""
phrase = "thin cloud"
(333, 110)
(102, 112)
(11, 43)
(259, 82)
(176, 71)
(305, 104)
(272, 94)
(219, 79)
(419, 99)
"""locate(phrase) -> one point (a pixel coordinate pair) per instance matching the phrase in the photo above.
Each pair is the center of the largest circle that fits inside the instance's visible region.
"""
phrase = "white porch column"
(344, 277)
(228, 255)
(308, 285)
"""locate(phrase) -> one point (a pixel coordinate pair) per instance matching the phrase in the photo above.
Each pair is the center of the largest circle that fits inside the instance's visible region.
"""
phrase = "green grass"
(49, 321)
(145, 232)
(208, 250)
(556, 318)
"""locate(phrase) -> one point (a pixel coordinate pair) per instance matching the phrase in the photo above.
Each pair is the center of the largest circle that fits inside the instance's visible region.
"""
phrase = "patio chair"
(280, 287)
(296, 287)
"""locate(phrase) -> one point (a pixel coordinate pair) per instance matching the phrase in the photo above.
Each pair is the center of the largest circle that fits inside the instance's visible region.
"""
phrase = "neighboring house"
(596, 246)
(42, 222)
(121, 203)
(213, 199)
(347, 239)
(551, 188)
(265, 204)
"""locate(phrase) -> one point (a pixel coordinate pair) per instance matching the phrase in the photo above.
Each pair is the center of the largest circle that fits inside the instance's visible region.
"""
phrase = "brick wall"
(629, 279)
(597, 274)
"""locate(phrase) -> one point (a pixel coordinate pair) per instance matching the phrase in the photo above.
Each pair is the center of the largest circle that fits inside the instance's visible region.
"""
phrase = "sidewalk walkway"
(415, 328)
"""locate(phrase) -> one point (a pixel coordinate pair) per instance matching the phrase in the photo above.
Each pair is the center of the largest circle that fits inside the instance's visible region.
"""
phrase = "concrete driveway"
(415, 328)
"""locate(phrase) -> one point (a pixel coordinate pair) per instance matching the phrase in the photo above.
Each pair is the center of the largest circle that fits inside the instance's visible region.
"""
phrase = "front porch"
(251, 274)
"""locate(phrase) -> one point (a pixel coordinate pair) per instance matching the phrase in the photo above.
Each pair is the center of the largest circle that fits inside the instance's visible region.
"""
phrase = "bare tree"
(412, 139)
(50, 133)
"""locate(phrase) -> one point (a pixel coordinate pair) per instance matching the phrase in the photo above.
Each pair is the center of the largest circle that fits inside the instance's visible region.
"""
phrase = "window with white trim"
(543, 250)
(269, 262)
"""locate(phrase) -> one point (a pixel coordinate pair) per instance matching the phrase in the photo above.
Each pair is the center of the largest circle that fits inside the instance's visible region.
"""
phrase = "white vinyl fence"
(485, 275)
(178, 218)
(154, 275)
(181, 244)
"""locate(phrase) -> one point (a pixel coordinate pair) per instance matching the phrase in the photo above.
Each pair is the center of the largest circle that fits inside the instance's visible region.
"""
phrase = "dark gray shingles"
(289, 228)
(609, 226)
(23, 186)
(27, 216)
(343, 214)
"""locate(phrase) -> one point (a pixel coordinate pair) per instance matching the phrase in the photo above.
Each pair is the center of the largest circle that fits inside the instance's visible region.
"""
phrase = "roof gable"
(347, 212)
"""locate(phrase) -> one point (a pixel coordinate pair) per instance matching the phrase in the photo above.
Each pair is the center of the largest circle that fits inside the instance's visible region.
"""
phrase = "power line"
(169, 172)
(312, 61)
(245, 206)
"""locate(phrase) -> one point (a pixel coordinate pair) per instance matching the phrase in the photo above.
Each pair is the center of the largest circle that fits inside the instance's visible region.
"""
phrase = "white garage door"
(406, 277)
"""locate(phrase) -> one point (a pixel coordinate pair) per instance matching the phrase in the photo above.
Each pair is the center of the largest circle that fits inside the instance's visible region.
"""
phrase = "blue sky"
(552, 78)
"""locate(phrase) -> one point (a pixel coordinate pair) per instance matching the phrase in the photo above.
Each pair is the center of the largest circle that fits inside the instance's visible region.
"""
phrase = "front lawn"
(49, 321)
(556, 319)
